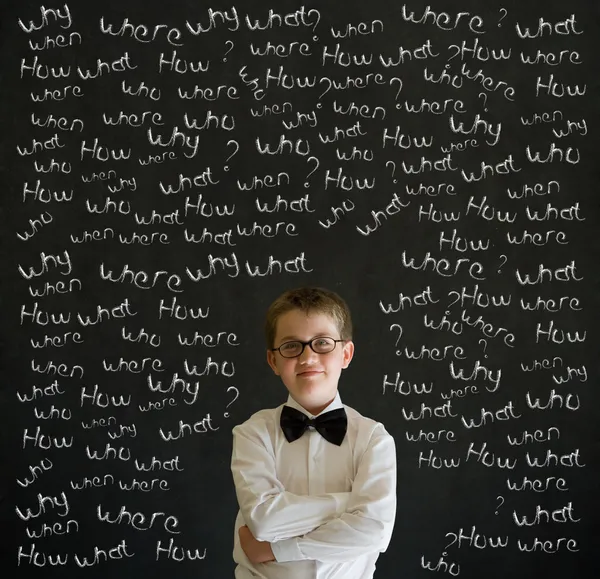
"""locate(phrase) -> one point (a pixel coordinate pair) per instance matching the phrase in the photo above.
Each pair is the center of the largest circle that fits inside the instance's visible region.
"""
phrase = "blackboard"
(168, 169)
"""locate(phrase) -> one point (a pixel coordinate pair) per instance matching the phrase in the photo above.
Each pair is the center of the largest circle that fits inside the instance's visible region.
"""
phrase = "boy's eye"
(290, 345)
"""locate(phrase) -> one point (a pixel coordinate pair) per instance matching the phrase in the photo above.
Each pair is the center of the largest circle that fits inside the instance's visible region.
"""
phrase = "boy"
(317, 498)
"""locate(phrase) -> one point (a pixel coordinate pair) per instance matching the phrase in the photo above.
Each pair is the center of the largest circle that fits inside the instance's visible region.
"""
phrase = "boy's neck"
(315, 410)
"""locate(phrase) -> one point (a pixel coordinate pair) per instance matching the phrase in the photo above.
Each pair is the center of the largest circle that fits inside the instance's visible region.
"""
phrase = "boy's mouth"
(310, 372)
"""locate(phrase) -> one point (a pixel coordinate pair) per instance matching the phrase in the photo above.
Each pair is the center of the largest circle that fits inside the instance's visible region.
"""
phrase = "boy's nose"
(307, 354)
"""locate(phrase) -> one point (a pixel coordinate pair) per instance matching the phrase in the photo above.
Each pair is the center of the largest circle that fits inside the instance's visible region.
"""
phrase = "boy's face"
(311, 378)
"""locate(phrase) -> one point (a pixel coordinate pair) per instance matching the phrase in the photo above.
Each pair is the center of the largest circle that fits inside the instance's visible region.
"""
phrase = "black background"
(367, 271)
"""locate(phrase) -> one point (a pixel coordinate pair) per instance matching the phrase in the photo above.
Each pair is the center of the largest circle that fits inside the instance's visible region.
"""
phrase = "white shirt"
(327, 510)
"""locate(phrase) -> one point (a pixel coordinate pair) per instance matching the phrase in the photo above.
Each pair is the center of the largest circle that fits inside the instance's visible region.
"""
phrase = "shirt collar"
(335, 403)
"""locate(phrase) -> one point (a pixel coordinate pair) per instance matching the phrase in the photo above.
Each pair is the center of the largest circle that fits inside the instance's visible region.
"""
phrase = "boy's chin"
(316, 385)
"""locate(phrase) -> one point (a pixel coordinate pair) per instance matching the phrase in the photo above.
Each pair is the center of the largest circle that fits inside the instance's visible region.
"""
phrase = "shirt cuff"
(287, 550)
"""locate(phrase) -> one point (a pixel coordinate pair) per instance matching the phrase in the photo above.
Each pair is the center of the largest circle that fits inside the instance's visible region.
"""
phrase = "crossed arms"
(333, 527)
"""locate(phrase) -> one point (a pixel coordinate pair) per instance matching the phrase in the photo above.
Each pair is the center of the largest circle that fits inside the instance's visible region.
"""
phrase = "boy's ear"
(271, 361)
(348, 353)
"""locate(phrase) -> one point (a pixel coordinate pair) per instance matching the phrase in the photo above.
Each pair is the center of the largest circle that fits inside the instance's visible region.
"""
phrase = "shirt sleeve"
(366, 525)
(272, 513)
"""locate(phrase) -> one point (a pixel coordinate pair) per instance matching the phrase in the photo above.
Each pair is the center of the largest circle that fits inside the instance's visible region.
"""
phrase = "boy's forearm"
(294, 516)
(342, 539)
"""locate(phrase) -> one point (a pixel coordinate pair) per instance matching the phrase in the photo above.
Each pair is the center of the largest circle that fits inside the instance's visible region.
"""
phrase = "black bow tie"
(332, 425)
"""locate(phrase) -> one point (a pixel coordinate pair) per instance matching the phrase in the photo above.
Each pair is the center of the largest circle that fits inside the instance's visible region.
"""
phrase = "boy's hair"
(309, 299)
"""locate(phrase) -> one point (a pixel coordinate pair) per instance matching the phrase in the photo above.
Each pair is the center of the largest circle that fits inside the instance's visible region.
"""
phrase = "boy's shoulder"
(364, 423)
(261, 420)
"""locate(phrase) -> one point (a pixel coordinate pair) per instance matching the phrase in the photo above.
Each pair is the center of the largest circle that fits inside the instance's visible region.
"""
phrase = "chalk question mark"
(482, 94)
(501, 502)
(306, 183)
(484, 345)
(398, 352)
(226, 53)
(237, 148)
(502, 264)
(393, 169)
(237, 393)
(315, 37)
(398, 105)
(503, 16)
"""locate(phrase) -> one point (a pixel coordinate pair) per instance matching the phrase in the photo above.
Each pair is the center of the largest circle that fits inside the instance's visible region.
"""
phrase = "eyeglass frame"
(304, 344)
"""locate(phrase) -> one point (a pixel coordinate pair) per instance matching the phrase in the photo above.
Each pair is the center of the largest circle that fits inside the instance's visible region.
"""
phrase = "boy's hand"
(256, 551)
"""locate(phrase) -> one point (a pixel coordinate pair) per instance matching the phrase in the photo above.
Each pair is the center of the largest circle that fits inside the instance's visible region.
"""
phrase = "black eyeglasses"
(318, 345)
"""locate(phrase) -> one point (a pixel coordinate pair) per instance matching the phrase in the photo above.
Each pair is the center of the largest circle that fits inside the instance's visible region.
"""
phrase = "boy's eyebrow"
(319, 334)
